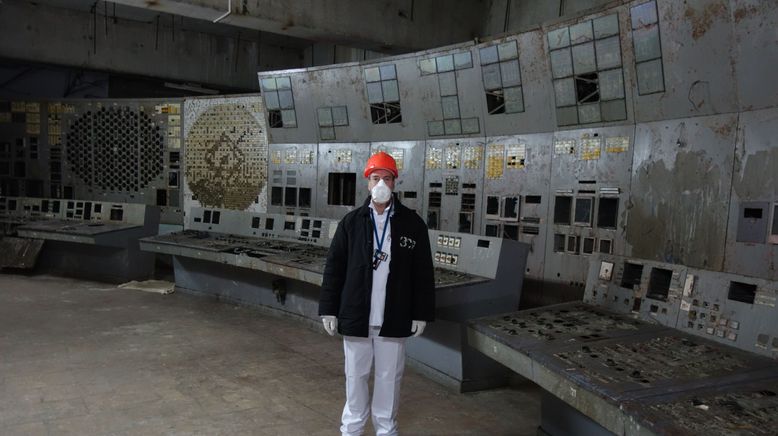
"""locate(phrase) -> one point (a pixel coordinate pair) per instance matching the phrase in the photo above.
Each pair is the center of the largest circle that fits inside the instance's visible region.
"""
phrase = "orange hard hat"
(381, 161)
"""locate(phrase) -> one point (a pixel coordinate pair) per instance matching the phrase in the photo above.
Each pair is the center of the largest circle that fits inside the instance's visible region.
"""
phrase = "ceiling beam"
(388, 26)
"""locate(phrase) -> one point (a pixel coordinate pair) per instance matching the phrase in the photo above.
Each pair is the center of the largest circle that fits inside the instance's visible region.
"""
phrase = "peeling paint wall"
(680, 189)
(693, 151)
(754, 180)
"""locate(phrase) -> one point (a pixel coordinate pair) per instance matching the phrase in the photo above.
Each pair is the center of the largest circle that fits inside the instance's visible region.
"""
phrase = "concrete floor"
(86, 358)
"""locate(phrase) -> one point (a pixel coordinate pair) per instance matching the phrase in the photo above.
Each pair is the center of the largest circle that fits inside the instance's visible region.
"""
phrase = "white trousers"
(389, 357)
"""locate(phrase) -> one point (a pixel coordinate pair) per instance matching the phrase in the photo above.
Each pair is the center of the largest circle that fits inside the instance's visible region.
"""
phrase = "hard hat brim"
(374, 169)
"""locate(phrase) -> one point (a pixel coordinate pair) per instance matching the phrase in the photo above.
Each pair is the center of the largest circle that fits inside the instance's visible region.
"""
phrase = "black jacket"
(348, 276)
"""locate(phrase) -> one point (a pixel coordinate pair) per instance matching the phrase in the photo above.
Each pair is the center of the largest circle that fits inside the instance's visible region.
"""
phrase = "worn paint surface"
(702, 18)
(680, 191)
(671, 219)
(754, 180)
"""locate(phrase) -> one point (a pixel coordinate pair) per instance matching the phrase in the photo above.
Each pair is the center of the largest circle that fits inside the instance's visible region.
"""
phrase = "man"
(378, 289)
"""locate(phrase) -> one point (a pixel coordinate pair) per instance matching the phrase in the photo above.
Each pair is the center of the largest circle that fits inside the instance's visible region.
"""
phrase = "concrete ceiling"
(130, 12)
(388, 26)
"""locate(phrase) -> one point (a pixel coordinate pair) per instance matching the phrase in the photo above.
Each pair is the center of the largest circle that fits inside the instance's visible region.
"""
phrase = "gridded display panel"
(495, 161)
(115, 149)
(23, 166)
(587, 74)
(107, 150)
(226, 158)
(455, 117)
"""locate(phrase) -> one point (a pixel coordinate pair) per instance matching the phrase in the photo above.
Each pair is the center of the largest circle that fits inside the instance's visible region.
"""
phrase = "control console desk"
(90, 239)
(654, 348)
(277, 261)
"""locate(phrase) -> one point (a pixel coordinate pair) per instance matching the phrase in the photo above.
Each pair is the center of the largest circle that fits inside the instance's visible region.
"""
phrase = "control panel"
(311, 230)
(728, 308)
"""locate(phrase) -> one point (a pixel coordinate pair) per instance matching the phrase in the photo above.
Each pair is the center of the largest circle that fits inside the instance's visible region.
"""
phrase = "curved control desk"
(90, 239)
(655, 349)
(277, 261)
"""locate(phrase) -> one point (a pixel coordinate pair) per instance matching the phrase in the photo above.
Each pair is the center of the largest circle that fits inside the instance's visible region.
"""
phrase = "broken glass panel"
(583, 58)
(488, 55)
(564, 90)
(581, 32)
(463, 60)
(608, 53)
(647, 45)
(491, 76)
(509, 71)
(508, 50)
(606, 26)
(561, 63)
(448, 83)
(611, 84)
(372, 75)
(558, 38)
(374, 93)
(650, 77)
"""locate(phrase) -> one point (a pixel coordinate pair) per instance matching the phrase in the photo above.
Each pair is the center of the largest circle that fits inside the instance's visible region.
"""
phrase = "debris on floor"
(156, 286)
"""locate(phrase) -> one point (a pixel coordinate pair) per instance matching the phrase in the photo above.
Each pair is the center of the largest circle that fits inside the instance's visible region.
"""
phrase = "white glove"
(417, 327)
(330, 324)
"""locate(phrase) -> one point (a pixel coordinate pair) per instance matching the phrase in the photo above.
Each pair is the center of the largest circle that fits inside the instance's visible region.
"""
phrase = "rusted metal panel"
(696, 40)
(754, 180)
(755, 52)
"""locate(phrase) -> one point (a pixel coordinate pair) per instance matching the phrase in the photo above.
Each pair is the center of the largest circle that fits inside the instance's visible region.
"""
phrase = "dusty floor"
(86, 358)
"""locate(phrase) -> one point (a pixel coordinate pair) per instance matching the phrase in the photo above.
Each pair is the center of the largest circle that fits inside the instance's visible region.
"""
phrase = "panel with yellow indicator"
(453, 153)
(290, 156)
(472, 156)
(495, 161)
(275, 157)
(617, 144)
(590, 148)
(434, 158)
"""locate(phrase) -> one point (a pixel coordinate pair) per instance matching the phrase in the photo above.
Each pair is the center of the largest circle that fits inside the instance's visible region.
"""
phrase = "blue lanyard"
(375, 230)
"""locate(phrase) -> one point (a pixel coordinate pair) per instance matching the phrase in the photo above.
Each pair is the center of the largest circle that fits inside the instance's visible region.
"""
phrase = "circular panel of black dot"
(116, 149)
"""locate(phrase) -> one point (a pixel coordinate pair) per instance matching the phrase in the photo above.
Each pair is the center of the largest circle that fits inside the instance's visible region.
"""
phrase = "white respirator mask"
(381, 193)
